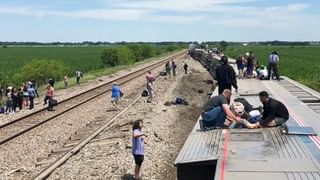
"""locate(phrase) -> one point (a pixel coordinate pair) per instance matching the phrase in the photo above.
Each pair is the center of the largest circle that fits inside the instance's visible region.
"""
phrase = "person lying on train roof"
(275, 113)
(217, 109)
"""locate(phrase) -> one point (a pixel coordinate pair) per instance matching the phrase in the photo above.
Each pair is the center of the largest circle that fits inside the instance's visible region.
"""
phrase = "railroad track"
(16, 128)
(84, 136)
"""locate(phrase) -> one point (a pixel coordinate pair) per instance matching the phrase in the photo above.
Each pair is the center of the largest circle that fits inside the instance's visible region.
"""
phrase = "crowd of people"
(18, 98)
(217, 112)
(249, 67)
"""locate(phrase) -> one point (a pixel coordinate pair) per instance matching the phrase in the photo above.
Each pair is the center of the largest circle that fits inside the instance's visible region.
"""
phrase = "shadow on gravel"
(127, 177)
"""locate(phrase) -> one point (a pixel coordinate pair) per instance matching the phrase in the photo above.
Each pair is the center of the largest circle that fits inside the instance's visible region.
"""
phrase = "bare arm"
(139, 135)
(226, 109)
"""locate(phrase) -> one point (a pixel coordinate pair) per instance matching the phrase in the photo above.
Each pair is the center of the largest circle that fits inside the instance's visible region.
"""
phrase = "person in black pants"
(273, 65)
(226, 76)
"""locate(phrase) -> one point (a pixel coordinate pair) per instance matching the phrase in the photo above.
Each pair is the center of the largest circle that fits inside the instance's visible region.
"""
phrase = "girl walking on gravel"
(138, 146)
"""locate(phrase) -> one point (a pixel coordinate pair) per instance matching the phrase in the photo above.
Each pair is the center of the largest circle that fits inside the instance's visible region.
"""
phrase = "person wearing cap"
(115, 94)
(226, 76)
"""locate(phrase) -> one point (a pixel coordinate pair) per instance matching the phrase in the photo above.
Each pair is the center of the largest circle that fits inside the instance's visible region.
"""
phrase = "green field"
(301, 63)
(83, 58)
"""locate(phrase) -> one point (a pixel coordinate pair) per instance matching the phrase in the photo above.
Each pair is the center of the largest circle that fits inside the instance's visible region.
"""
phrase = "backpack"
(1, 110)
(144, 93)
(53, 102)
(181, 101)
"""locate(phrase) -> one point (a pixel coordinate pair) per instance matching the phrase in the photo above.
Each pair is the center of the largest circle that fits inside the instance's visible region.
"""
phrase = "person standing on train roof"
(240, 65)
(250, 64)
(273, 65)
(226, 76)
(275, 113)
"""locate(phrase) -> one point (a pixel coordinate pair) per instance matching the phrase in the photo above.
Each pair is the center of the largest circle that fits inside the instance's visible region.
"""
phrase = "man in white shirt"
(273, 65)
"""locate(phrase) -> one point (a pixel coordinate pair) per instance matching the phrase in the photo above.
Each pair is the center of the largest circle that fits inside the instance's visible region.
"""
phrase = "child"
(138, 146)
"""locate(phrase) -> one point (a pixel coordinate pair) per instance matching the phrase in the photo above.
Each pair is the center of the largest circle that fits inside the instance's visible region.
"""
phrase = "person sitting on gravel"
(115, 94)
(138, 146)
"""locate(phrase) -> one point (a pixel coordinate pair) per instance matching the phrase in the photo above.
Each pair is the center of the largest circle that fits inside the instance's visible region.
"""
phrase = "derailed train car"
(207, 59)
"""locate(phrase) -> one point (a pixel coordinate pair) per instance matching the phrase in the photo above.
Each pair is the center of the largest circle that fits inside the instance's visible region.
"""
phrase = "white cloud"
(178, 5)
(180, 19)
(104, 14)
(297, 7)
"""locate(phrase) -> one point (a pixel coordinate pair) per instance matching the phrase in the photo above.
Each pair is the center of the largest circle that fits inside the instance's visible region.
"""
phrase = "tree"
(40, 70)
(125, 55)
(109, 57)
(223, 45)
(115, 56)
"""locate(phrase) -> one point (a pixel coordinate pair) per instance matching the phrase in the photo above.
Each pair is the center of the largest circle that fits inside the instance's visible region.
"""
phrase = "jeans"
(214, 117)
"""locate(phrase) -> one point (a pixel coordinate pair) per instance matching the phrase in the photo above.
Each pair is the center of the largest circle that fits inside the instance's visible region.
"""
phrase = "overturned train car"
(208, 60)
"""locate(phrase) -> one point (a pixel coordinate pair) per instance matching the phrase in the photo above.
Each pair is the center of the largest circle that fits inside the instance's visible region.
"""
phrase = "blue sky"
(159, 20)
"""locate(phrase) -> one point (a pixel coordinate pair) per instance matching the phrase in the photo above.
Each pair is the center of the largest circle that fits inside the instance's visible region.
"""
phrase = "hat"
(10, 87)
(247, 53)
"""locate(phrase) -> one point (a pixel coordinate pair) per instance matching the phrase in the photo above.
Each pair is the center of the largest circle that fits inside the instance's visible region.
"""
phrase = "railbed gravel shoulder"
(167, 126)
(20, 157)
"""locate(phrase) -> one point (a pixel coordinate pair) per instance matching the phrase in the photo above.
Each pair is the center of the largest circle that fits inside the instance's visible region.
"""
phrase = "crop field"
(301, 63)
(83, 58)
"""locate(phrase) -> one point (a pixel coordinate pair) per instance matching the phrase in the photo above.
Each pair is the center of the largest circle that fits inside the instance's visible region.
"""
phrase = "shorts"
(138, 159)
(115, 99)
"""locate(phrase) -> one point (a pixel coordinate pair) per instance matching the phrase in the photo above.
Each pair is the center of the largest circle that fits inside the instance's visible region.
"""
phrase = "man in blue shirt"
(32, 94)
(116, 94)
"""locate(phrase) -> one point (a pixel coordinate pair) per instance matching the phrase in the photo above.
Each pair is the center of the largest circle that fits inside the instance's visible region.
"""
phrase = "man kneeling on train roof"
(216, 110)
(275, 113)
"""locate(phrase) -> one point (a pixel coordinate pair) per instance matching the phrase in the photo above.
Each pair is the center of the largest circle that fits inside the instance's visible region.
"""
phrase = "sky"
(159, 20)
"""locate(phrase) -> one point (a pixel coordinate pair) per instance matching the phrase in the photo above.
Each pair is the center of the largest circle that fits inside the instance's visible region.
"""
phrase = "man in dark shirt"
(217, 109)
(226, 76)
(274, 112)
